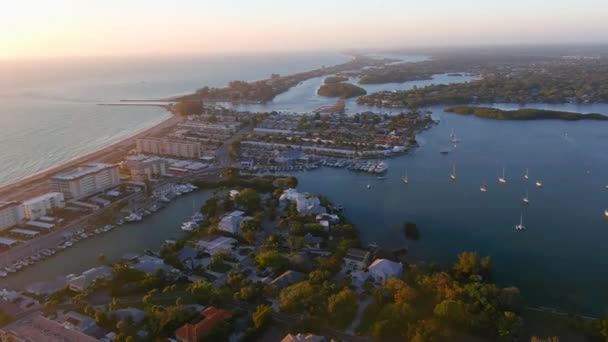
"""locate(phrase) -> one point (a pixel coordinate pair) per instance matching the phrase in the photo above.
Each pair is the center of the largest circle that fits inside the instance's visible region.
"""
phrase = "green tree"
(272, 259)
(249, 199)
(261, 316)
(342, 307)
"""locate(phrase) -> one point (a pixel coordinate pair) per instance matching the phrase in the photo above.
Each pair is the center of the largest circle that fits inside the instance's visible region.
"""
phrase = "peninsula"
(265, 90)
(523, 114)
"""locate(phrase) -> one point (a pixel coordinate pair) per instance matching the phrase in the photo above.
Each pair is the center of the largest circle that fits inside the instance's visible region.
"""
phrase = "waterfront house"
(382, 269)
(306, 204)
(356, 259)
(212, 316)
(79, 283)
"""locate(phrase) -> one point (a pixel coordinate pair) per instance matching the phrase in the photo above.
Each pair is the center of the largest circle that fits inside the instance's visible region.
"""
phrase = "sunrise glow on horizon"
(114, 28)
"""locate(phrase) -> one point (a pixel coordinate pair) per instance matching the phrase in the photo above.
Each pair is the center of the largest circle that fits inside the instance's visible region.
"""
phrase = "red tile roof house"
(194, 332)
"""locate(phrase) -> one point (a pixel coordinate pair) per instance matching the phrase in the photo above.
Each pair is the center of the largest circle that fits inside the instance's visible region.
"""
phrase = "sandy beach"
(37, 183)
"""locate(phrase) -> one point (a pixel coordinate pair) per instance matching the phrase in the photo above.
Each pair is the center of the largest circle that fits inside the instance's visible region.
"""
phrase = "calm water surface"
(49, 112)
(130, 238)
(558, 262)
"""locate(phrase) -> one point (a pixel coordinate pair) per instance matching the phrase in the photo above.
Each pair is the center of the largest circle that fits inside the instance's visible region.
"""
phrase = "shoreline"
(20, 188)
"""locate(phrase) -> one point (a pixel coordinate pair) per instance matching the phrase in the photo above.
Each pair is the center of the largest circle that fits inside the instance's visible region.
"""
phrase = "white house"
(231, 222)
(79, 283)
(382, 269)
(306, 204)
(221, 243)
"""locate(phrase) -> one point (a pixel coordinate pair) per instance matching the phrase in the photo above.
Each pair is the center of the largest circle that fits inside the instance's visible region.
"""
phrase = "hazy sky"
(130, 27)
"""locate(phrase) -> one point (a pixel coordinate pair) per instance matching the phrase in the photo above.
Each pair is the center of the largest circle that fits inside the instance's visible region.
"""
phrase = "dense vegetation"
(335, 79)
(555, 81)
(342, 90)
(522, 114)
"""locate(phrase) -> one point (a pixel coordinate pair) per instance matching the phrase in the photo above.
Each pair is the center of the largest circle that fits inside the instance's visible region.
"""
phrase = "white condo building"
(169, 147)
(143, 167)
(86, 180)
(36, 207)
(11, 214)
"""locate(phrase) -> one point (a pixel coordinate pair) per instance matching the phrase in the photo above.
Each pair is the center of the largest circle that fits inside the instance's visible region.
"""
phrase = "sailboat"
(502, 179)
(539, 184)
(606, 213)
(453, 173)
(405, 179)
(453, 137)
(483, 187)
(520, 226)
(526, 200)
(526, 176)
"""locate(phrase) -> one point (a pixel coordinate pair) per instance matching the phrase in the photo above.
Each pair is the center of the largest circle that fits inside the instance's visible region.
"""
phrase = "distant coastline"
(523, 114)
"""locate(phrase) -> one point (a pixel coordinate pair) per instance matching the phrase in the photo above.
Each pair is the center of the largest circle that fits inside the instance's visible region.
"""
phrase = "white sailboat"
(520, 226)
(483, 187)
(526, 200)
(539, 184)
(454, 138)
(526, 176)
(453, 173)
(502, 179)
(606, 213)
(405, 179)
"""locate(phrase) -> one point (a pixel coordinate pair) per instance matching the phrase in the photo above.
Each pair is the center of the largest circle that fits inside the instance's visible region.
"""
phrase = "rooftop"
(42, 197)
(38, 328)
(83, 170)
(194, 332)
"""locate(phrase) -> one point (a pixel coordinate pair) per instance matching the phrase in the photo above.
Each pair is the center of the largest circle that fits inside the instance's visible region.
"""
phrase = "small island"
(341, 90)
(523, 114)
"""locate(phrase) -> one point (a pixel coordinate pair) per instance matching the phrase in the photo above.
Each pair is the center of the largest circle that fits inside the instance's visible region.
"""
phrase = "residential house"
(382, 269)
(212, 316)
(79, 283)
(36, 327)
(217, 244)
(231, 222)
(356, 259)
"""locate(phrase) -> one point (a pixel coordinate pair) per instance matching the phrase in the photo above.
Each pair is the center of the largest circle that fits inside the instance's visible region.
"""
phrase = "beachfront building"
(169, 147)
(11, 214)
(86, 180)
(142, 167)
(37, 207)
